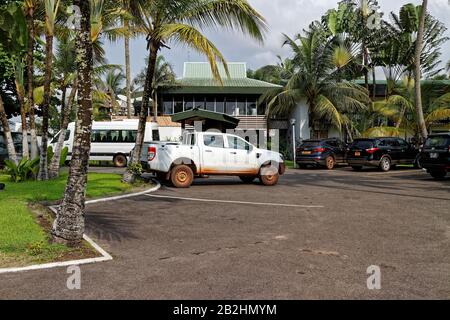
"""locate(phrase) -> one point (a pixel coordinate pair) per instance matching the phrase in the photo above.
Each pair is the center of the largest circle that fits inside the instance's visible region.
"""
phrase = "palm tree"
(65, 71)
(318, 79)
(20, 89)
(69, 224)
(29, 6)
(418, 72)
(164, 75)
(112, 86)
(7, 133)
(178, 21)
(51, 11)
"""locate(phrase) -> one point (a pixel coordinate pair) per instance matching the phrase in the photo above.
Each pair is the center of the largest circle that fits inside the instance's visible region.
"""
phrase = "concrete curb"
(105, 256)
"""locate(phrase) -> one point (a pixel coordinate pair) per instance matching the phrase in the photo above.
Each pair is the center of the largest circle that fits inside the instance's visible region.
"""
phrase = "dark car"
(326, 152)
(17, 138)
(383, 153)
(435, 155)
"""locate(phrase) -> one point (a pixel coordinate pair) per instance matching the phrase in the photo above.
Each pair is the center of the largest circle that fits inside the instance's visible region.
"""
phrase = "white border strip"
(105, 255)
(236, 202)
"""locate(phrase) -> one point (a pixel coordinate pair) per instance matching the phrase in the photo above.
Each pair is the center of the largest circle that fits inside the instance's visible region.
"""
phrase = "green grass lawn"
(22, 239)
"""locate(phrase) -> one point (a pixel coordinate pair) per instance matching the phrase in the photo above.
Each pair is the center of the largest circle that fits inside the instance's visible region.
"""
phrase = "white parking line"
(236, 202)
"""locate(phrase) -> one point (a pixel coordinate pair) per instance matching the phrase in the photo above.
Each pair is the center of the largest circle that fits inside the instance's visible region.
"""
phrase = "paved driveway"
(312, 236)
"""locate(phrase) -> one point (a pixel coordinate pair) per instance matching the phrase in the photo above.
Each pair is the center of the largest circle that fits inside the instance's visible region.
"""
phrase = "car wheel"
(385, 164)
(182, 176)
(330, 163)
(438, 175)
(357, 168)
(247, 179)
(269, 175)
(120, 161)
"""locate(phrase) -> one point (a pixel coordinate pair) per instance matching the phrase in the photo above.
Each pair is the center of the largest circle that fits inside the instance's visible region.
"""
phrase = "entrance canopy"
(209, 119)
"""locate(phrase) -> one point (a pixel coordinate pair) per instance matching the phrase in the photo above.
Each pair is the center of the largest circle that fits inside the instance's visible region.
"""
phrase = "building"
(237, 96)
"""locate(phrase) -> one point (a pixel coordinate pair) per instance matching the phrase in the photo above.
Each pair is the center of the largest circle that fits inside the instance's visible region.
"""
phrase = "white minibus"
(111, 141)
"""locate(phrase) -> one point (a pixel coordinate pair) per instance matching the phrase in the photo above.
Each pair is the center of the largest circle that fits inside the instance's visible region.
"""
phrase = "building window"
(262, 109)
(178, 105)
(199, 102)
(230, 107)
(188, 103)
(241, 105)
(167, 105)
(220, 105)
(210, 104)
(252, 109)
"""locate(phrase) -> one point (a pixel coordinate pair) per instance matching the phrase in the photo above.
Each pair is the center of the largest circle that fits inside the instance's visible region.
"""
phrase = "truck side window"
(238, 144)
(213, 141)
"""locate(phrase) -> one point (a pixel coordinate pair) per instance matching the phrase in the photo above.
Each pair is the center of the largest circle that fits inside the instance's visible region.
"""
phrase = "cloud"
(283, 16)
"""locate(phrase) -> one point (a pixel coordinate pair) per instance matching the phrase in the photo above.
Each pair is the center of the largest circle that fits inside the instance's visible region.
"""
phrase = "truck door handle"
(233, 152)
(208, 151)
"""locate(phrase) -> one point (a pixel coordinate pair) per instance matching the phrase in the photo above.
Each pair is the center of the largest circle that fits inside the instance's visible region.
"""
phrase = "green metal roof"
(202, 70)
(196, 114)
(198, 79)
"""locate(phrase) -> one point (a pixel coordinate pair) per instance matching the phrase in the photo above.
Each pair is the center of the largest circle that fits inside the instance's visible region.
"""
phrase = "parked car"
(324, 153)
(17, 138)
(205, 154)
(384, 153)
(435, 155)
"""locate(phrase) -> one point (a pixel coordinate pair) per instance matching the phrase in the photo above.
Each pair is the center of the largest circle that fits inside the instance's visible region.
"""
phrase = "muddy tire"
(182, 176)
(269, 175)
(247, 179)
(120, 161)
(330, 163)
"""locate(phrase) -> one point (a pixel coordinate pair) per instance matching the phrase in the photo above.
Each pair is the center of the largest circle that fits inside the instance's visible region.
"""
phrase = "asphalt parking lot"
(311, 237)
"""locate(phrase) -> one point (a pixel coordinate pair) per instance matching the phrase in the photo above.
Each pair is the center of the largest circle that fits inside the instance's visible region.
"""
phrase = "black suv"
(435, 155)
(381, 152)
(326, 152)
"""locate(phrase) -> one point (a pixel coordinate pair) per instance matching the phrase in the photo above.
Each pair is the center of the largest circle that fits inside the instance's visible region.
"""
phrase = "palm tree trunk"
(23, 118)
(53, 170)
(128, 69)
(63, 103)
(128, 176)
(68, 227)
(417, 73)
(7, 133)
(374, 79)
(43, 166)
(30, 87)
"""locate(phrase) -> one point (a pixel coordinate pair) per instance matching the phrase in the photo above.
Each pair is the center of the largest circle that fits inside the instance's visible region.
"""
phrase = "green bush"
(62, 158)
(25, 170)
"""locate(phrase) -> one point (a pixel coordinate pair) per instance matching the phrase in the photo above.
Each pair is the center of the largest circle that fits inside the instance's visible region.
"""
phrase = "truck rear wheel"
(182, 176)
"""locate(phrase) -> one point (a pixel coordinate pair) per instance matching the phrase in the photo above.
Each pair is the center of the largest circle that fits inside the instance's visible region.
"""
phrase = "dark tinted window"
(332, 143)
(311, 144)
(437, 142)
(403, 143)
(363, 144)
(114, 136)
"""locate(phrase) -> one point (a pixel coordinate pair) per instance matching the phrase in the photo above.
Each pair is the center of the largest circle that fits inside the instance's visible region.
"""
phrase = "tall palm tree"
(29, 6)
(112, 86)
(180, 21)
(164, 75)
(418, 71)
(7, 133)
(69, 224)
(20, 89)
(318, 80)
(51, 11)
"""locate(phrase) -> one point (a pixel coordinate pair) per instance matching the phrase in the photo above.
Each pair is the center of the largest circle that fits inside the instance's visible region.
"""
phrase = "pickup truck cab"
(205, 154)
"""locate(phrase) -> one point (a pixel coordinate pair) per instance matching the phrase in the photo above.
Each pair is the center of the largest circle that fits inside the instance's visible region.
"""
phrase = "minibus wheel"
(120, 161)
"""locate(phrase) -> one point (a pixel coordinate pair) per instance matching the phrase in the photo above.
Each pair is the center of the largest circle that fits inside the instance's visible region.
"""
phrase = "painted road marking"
(236, 202)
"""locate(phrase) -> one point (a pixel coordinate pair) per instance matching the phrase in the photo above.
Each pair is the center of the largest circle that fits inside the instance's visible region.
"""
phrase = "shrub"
(25, 170)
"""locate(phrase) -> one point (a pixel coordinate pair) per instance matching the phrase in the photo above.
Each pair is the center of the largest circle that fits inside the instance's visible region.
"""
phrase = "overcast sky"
(283, 16)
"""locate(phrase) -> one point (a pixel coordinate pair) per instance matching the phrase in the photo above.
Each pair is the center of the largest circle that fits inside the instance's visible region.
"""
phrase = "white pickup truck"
(204, 154)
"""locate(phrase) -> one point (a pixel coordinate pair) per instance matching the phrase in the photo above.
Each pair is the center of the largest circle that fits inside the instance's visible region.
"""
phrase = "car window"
(437, 142)
(363, 144)
(238, 143)
(213, 141)
(332, 143)
(403, 143)
(393, 143)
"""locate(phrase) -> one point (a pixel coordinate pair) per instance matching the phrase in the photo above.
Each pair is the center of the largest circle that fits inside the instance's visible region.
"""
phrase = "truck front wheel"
(269, 175)
(181, 176)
